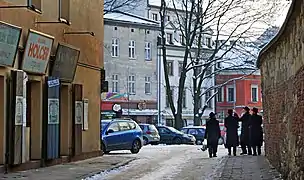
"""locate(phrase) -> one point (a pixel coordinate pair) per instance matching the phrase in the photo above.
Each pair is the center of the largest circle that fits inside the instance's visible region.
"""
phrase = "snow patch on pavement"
(102, 175)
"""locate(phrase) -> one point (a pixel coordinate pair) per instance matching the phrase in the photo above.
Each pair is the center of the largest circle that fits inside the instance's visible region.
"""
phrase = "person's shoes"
(250, 153)
(243, 153)
(229, 154)
(254, 154)
(214, 155)
(234, 154)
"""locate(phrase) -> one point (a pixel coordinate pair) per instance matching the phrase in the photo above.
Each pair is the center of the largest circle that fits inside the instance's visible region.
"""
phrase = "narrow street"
(167, 162)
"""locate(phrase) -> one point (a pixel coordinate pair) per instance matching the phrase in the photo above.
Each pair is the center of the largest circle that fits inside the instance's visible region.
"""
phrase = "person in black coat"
(212, 134)
(245, 132)
(256, 132)
(231, 124)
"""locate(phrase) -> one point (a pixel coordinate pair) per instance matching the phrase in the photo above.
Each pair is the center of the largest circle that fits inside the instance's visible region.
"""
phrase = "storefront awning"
(137, 112)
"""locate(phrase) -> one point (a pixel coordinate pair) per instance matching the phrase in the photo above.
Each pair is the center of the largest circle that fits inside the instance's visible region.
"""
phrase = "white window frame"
(221, 95)
(148, 85)
(207, 97)
(115, 83)
(131, 84)
(148, 51)
(154, 15)
(208, 41)
(257, 92)
(181, 39)
(132, 46)
(167, 39)
(115, 47)
(227, 94)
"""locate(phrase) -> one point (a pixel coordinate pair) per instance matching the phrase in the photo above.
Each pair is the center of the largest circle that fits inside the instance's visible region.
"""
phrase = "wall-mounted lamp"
(80, 32)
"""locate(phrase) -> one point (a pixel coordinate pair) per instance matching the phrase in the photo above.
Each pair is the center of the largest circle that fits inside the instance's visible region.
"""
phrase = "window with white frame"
(148, 51)
(168, 18)
(220, 95)
(148, 85)
(169, 38)
(154, 16)
(230, 94)
(131, 84)
(115, 83)
(207, 97)
(170, 68)
(254, 93)
(208, 42)
(181, 39)
(132, 49)
(180, 67)
(115, 45)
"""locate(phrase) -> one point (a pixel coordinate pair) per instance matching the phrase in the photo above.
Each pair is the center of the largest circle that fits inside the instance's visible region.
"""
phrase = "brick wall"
(282, 68)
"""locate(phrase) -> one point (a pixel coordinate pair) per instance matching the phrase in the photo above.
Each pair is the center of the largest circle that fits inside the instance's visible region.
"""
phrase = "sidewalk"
(248, 168)
(71, 171)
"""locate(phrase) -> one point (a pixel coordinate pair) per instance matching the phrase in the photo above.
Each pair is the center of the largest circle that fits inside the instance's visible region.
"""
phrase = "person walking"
(256, 132)
(212, 134)
(245, 132)
(231, 124)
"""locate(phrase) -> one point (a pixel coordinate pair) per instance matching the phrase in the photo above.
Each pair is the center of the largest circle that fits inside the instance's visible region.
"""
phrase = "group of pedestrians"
(251, 132)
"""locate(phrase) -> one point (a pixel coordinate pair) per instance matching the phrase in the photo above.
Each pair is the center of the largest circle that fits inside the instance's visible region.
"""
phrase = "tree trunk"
(196, 108)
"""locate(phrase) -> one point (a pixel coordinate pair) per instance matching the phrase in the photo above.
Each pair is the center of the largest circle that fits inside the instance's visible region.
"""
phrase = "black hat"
(212, 114)
(246, 108)
(255, 110)
(230, 111)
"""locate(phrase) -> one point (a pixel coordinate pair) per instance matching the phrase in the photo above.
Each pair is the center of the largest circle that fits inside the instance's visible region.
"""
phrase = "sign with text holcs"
(9, 40)
(37, 52)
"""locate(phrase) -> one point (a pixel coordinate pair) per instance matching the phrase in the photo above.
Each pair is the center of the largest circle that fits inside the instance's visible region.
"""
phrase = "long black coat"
(231, 124)
(256, 131)
(245, 128)
(213, 131)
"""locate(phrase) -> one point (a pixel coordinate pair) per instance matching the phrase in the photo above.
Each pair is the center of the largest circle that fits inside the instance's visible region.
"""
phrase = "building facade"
(282, 68)
(131, 66)
(238, 93)
(50, 81)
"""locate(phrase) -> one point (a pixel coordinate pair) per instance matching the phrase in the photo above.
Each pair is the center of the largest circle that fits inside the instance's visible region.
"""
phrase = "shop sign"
(9, 41)
(37, 52)
(65, 62)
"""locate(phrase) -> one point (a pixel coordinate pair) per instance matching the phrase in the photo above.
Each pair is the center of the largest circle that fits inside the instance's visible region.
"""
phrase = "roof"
(281, 31)
(119, 16)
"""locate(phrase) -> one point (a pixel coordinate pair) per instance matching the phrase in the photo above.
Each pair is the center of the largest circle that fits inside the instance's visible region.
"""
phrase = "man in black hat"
(245, 131)
(256, 132)
(231, 124)
(212, 134)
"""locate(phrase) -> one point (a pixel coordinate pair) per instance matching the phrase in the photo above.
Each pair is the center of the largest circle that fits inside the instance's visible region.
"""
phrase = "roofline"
(127, 23)
(278, 35)
(168, 8)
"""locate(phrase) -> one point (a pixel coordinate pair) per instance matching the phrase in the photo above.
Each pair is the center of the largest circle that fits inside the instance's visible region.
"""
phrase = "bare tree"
(233, 22)
(123, 5)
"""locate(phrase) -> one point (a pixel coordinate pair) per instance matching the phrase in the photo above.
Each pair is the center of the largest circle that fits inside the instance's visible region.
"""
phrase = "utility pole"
(158, 81)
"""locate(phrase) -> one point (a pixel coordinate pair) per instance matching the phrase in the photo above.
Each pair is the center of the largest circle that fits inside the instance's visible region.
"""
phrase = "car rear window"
(152, 127)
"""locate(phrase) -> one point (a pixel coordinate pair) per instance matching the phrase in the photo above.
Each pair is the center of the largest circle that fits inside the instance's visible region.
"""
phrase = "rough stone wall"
(282, 68)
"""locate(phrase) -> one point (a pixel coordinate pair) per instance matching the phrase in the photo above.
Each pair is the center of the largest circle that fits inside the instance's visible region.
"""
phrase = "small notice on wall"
(85, 114)
(19, 111)
(78, 112)
(53, 111)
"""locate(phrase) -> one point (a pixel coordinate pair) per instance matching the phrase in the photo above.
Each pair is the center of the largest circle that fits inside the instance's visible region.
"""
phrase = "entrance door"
(77, 120)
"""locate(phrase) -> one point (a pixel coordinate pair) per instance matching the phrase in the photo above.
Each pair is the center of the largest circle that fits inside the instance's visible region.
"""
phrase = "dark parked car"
(170, 135)
(120, 134)
(197, 131)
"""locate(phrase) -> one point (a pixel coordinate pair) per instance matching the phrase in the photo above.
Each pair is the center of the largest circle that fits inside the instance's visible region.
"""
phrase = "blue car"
(120, 134)
(197, 131)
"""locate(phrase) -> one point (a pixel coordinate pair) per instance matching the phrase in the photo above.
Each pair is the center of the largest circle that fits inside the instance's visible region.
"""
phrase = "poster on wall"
(53, 108)
(65, 62)
(85, 114)
(19, 111)
(78, 112)
(9, 41)
(37, 52)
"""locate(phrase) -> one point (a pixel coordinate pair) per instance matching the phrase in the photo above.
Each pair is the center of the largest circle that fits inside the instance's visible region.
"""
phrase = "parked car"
(150, 134)
(197, 131)
(120, 134)
(170, 135)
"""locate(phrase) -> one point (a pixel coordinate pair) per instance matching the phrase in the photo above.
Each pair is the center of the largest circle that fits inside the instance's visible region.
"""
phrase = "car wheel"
(136, 146)
(198, 142)
(104, 149)
(146, 141)
(177, 140)
(221, 141)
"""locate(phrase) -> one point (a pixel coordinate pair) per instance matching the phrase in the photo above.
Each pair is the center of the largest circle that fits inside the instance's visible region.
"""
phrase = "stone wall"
(282, 68)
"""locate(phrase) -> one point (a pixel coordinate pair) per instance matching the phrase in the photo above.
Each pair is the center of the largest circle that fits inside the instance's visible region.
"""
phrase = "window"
(207, 96)
(115, 47)
(132, 49)
(170, 68)
(35, 4)
(254, 93)
(169, 38)
(167, 98)
(163, 131)
(208, 41)
(132, 30)
(131, 84)
(168, 18)
(124, 126)
(148, 85)
(184, 99)
(115, 28)
(154, 16)
(180, 68)
(230, 94)
(132, 125)
(147, 51)
(64, 10)
(219, 96)
(114, 127)
(115, 83)
(181, 39)
(192, 132)
(209, 71)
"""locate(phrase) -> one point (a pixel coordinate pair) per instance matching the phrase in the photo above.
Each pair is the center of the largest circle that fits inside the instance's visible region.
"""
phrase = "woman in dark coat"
(256, 132)
(212, 134)
(231, 124)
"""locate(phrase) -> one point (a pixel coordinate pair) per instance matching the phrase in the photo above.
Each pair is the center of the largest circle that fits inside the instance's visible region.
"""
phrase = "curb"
(110, 169)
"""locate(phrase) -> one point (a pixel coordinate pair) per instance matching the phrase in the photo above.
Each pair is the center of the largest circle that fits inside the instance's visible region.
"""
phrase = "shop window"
(64, 10)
